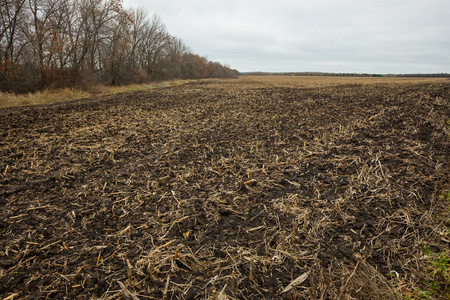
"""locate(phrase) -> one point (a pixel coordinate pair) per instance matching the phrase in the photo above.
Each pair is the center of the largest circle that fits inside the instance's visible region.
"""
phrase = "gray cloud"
(395, 36)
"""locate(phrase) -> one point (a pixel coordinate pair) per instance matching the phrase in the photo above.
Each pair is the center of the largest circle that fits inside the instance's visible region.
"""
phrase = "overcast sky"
(364, 36)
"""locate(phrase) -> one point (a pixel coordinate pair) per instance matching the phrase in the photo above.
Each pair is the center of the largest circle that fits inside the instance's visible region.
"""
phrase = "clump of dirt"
(234, 188)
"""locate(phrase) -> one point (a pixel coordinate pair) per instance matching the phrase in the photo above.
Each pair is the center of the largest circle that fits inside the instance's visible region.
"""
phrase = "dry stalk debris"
(259, 188)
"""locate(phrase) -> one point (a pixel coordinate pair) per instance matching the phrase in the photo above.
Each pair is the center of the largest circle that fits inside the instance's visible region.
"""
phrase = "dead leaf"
(299, 280)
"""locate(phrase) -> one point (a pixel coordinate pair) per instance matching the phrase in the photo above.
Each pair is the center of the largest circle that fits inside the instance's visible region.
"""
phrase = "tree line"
(54, 43)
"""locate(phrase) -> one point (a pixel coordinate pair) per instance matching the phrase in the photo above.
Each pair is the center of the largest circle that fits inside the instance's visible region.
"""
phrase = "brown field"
(252, 188)
(312, 81)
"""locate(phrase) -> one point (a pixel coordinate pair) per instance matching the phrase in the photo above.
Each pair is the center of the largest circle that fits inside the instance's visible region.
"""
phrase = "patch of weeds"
(419, 294)
(438, 269)
(426, 250)
(441, 265)
(446, 196)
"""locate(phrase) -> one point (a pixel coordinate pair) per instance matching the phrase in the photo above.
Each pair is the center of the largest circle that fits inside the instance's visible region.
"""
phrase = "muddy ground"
(225, 189)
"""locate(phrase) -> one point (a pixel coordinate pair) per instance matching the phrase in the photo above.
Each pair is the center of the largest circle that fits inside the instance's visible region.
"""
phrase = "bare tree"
(174, 61)
(10, 16)
(155, 47)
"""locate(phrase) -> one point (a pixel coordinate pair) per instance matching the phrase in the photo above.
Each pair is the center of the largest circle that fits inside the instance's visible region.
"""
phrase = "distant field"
(320, 80)
(251, 188)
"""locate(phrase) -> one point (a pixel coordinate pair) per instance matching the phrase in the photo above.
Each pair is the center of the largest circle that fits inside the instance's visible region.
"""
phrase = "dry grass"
(42, 97)
(66, 94)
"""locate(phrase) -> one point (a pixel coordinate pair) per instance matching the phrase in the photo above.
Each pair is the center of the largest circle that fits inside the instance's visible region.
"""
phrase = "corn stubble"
(253, 188)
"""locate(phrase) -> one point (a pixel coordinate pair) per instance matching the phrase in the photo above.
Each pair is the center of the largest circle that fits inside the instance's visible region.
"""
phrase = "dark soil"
(223, 189)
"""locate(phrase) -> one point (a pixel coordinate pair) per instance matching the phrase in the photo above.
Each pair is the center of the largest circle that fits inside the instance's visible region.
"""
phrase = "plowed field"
(252, 188)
